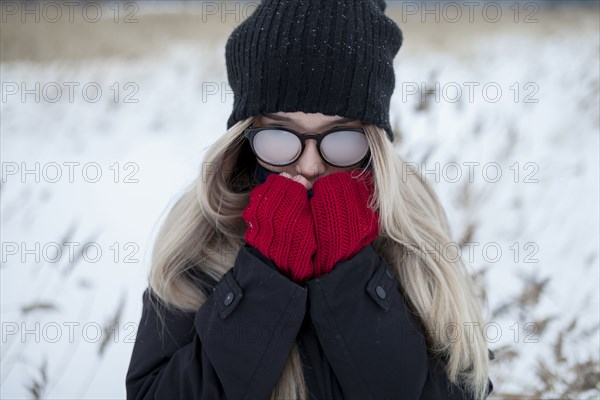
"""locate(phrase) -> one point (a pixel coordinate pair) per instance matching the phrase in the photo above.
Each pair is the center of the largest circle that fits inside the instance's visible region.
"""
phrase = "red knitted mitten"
(280, 225)
(344, 224)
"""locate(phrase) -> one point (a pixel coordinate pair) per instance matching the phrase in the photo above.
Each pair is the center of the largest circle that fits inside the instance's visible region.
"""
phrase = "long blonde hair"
(204, 230)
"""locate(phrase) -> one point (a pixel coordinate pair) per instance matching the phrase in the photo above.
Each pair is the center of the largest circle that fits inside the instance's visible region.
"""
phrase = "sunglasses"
(281, 146)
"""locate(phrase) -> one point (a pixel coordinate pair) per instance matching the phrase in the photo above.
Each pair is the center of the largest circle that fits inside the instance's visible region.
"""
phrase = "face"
(310, 164)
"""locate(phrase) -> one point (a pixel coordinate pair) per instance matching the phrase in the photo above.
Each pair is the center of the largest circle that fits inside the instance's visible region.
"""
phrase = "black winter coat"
(356, 338)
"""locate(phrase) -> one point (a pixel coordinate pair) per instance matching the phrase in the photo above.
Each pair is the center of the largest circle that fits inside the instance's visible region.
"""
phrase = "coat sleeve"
(233, 347)
(373, 342)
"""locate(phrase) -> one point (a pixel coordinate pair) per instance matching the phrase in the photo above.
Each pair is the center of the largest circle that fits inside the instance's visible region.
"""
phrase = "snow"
(159, 142)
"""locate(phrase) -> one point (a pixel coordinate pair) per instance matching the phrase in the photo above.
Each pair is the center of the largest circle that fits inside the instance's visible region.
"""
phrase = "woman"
(304, 262)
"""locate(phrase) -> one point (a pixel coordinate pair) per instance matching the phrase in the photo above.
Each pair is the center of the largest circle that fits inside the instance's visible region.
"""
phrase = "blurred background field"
(95, 169)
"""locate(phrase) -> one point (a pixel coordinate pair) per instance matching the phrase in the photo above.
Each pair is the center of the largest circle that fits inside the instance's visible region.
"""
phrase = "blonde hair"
(204, 231)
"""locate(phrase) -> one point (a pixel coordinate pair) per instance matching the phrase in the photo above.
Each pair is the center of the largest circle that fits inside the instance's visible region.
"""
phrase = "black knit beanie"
(333, 57)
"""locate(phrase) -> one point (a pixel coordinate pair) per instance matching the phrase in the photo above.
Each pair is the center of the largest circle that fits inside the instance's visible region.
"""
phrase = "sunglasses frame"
(251, 132)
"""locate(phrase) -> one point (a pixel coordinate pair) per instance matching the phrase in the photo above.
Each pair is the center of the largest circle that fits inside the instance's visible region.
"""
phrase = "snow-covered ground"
(93, 179)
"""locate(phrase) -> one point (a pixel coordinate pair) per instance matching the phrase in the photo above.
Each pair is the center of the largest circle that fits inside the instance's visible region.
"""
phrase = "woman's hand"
(344, 224)
(280, 224)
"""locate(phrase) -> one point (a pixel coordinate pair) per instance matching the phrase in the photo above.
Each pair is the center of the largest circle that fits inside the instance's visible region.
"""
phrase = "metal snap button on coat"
(228, 298)
(380, 292)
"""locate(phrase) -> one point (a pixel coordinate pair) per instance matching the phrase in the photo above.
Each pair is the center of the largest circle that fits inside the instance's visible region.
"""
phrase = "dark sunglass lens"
(344, 148)
(276, 146)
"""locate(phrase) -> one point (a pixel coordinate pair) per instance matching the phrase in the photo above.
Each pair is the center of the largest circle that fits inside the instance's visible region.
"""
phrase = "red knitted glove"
(280, 225)
(344, 224)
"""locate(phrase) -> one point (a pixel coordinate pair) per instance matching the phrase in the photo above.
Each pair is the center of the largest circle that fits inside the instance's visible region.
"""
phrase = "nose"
(310, 164)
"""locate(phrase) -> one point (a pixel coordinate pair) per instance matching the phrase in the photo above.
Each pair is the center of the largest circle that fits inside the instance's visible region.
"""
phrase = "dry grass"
(38, 385)
(108, 330)
(562, 373)
(154, 33)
